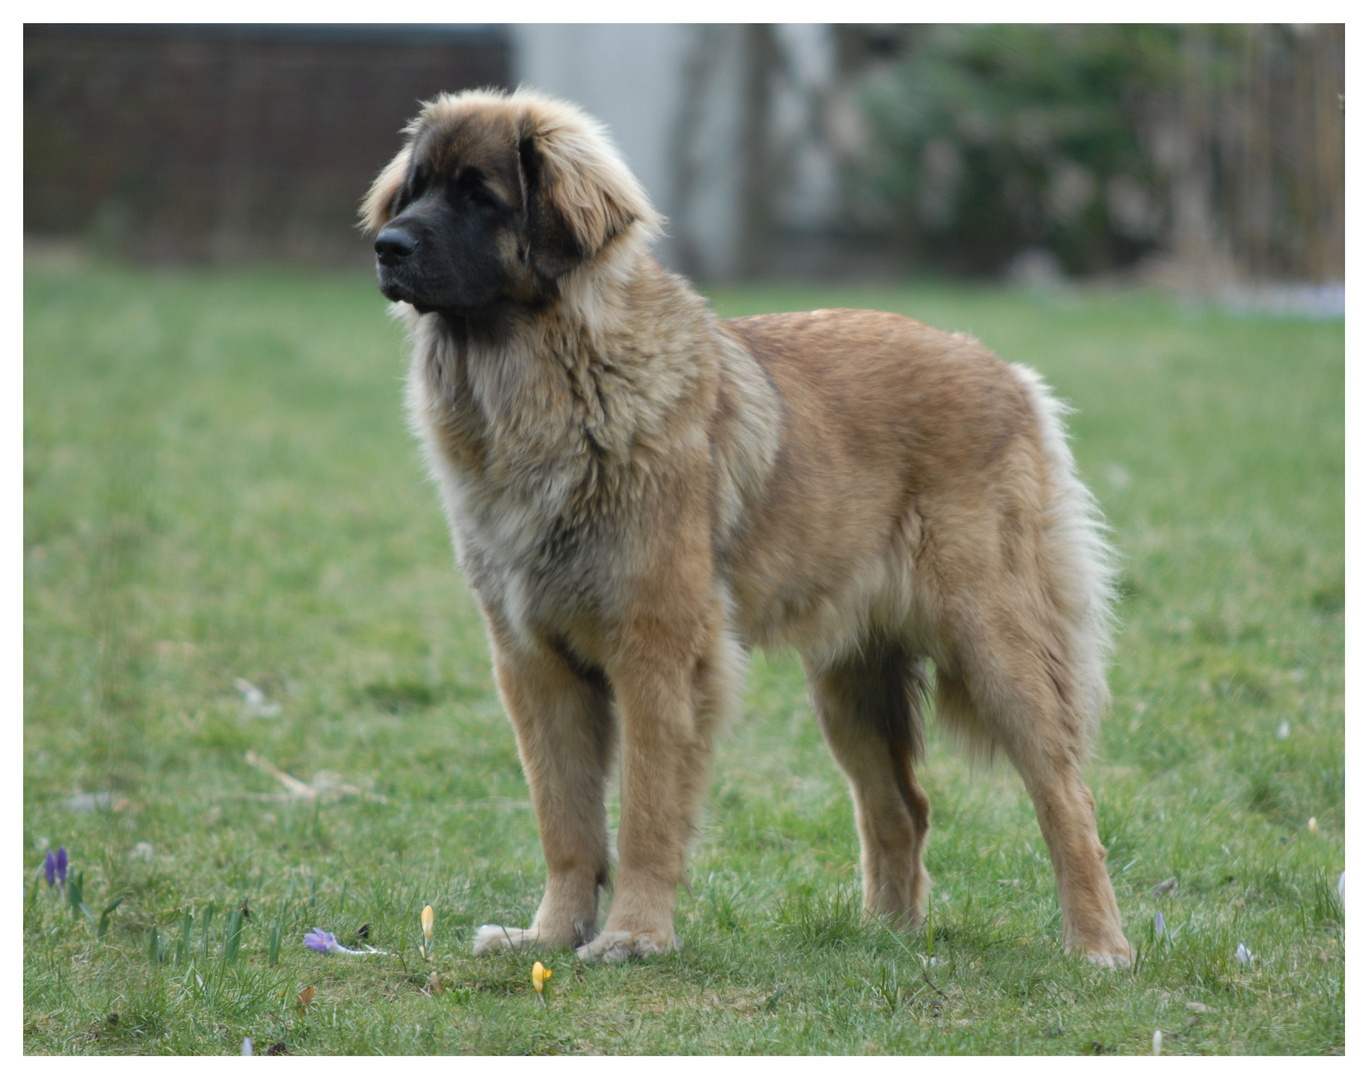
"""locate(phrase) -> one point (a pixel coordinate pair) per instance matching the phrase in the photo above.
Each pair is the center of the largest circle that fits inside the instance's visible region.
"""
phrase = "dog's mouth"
(392, 287)
(398, 284)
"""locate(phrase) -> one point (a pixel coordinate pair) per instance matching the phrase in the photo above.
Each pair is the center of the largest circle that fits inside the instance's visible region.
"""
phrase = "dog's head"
(494, 199)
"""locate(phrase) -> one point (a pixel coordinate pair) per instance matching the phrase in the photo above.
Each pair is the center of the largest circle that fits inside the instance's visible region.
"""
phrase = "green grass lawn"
(219, 486)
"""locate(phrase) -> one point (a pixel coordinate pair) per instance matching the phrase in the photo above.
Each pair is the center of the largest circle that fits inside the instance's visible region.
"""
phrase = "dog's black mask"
(449, 244)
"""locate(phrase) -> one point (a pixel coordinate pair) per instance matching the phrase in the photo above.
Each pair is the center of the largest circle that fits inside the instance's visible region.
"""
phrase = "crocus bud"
(428, 932)
(540, 976)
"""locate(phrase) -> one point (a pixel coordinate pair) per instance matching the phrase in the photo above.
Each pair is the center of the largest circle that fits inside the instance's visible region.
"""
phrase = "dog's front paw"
(492, 939)
(1113, 959)
(615, 946)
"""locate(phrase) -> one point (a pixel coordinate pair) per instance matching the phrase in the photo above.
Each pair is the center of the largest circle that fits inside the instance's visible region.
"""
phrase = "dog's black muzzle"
(438, 258)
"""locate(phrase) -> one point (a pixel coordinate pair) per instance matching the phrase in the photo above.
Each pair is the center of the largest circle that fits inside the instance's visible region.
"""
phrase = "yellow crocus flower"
(540, 976)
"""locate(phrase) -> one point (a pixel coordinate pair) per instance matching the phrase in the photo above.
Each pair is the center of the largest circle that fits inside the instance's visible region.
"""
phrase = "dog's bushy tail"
(1081, 564)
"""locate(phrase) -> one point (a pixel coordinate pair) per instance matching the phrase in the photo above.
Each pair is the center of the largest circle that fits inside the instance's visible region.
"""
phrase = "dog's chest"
(547, 461)
(523, 540)
(520, 505)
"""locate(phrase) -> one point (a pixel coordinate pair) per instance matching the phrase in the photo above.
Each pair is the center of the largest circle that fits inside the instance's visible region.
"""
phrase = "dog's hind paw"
(615, 946)
(492, 939)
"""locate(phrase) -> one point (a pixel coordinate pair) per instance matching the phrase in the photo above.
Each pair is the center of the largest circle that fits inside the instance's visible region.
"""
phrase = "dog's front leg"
(563, 718)
(672, 687)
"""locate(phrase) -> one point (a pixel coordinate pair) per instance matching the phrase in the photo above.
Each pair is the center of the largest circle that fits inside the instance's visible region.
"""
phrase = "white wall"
(633, 79)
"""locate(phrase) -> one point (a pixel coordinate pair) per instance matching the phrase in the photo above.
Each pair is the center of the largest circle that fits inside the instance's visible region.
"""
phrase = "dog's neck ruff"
(552, 385)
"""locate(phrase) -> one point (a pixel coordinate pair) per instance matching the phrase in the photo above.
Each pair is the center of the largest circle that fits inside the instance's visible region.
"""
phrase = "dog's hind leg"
(869, 709)
(563, 717)
(1021, 693)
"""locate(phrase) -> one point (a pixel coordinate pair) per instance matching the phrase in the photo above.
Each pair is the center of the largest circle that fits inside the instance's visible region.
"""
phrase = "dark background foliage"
(1099, 144)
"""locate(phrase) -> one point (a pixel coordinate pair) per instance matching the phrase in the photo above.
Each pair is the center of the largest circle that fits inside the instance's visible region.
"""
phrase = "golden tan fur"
(639, 491)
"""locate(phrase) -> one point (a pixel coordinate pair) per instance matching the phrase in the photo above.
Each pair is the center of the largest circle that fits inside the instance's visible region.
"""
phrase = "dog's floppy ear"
(578, 193)
(378, 206)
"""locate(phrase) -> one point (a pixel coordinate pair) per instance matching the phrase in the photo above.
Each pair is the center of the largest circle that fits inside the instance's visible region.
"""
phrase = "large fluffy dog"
(639, 491)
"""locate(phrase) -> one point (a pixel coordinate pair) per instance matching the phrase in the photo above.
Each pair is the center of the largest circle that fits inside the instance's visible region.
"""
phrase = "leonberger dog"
(639, 492)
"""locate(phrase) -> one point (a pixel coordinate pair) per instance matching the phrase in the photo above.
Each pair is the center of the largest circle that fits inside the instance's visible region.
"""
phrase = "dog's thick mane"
(583, 185)
(555, 412)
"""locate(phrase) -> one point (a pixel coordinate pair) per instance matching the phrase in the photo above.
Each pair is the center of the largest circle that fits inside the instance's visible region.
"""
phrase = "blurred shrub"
(990, 140)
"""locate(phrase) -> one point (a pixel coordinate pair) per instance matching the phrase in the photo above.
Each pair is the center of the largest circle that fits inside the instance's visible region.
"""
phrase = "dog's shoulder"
(747, 429)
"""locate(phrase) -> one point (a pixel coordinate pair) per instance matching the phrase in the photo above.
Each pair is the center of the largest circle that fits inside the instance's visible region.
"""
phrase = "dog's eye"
(467, 191)
(482, 196)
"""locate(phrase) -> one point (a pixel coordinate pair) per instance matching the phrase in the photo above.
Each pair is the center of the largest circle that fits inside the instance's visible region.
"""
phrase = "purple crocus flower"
(62, 866)
(323, 941)
(50, 868)
(1159, 924)
(320, 940)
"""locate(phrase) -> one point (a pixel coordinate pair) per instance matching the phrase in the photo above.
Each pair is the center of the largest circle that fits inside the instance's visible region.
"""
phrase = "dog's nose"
(395, 244)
